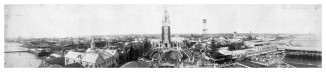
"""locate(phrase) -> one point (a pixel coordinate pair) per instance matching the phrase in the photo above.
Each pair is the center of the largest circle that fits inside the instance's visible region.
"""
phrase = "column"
(178, 45)
(154, 44)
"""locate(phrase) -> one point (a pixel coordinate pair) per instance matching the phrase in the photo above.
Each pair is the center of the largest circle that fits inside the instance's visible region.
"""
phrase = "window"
(79, 56)
(67, 60)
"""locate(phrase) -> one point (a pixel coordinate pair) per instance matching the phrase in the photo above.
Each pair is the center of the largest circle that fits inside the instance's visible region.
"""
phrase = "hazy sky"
(74, 20)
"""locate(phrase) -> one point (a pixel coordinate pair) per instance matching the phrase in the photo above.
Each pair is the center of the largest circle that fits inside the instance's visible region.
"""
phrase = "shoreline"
(20, 59)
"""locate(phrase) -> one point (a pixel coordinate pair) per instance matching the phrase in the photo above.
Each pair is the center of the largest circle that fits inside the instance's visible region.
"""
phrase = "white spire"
(92, 44)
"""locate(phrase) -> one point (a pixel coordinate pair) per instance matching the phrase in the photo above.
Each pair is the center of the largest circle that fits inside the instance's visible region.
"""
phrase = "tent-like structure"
(135, 64)
(171, 55)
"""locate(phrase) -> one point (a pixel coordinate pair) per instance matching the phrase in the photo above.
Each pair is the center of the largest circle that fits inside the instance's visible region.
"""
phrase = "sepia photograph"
(162, 36)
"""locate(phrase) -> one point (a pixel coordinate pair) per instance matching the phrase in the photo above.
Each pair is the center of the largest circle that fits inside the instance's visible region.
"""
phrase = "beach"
(19, 59)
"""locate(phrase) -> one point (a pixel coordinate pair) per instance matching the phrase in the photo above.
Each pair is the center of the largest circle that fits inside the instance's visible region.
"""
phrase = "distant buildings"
(254, 43)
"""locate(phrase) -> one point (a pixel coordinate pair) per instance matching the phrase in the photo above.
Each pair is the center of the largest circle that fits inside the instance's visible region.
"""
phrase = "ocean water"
(303, 60)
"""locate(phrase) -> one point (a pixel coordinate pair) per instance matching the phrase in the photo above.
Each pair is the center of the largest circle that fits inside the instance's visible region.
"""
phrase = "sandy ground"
(19, 59)
(13, 47)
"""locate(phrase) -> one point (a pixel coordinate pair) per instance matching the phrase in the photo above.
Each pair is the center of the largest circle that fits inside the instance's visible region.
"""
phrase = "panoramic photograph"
(162, 36)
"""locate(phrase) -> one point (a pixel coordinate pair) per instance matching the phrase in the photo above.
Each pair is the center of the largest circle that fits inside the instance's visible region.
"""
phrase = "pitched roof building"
(93, 57)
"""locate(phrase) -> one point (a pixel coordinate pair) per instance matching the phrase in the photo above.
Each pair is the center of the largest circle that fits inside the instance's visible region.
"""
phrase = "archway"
(166, 45)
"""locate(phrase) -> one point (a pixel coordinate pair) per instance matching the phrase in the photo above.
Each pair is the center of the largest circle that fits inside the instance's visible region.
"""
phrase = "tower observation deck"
(204, 27)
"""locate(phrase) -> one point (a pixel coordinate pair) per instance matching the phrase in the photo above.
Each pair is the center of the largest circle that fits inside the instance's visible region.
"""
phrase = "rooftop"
(74, 65)
(59, 61)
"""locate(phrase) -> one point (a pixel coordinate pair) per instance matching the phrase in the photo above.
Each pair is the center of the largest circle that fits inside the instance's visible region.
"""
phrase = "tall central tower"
(166, 38)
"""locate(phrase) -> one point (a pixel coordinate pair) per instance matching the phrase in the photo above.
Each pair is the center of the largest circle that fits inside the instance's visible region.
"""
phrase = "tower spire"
(166, 18)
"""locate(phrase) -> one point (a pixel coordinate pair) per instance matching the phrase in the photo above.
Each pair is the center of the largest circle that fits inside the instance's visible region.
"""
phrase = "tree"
(249, 38)
(235, 45)
(147, 46)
